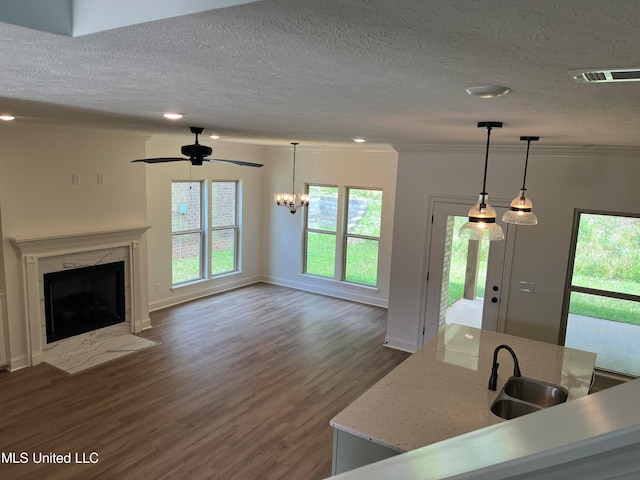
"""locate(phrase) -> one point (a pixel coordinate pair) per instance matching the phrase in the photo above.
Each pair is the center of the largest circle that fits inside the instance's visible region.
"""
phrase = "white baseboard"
(399, 344)
(18, 363)
(201, 290)
(332, 288)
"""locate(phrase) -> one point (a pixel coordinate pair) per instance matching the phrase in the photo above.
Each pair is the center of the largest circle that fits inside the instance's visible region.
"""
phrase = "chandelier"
(291, 200)
(482, 216)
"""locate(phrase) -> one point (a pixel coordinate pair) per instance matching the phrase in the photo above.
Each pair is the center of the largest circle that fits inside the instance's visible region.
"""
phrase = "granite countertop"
(441, 390)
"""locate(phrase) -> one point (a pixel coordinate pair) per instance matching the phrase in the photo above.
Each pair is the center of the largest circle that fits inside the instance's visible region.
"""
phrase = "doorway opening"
(463, 287)
(465, 276)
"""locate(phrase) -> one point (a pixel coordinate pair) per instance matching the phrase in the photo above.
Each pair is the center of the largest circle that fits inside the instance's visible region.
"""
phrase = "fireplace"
(84, 299)
(62, 254)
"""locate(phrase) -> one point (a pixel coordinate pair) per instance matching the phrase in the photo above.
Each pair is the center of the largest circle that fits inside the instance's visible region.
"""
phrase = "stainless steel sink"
(535, 391)
(522, 395)
(508, 409)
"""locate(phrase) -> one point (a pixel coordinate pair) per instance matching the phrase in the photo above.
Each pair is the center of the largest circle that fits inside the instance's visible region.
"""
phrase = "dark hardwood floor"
(242, 386)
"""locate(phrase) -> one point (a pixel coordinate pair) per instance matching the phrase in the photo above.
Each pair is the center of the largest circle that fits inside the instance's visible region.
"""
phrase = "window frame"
(570, 288)
(341, 235)
(200, 231)
(346, 235)
(234, 228)
(307, 229)
(206, 230)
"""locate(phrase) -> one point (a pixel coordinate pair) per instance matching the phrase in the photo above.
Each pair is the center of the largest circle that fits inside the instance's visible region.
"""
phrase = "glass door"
(602, 300)
(465, 276)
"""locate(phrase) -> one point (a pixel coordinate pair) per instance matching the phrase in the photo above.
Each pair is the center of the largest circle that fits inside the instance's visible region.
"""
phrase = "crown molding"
(536, 150)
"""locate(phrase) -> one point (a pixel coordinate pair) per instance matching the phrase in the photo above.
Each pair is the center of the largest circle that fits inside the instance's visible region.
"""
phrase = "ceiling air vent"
(606, 75)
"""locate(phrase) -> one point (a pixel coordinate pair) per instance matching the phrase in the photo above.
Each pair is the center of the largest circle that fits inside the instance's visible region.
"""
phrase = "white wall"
(558, 181)
(39, 199)
(283, 235)
(159, 177)
(272, 237)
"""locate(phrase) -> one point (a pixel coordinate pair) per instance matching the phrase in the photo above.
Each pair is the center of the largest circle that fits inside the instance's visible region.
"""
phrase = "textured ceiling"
(325, 71)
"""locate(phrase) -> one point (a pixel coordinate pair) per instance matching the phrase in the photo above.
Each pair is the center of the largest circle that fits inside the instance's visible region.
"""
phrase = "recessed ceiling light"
(6, 117)
(173, 116)
(359, 140)
(214, 136)
(488, 91)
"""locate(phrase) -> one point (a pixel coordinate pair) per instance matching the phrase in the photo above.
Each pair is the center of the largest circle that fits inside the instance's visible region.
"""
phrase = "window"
(322, 221)
(203, 240)
(187, 233)
(343, 246)
(364, 209)
(224, 227)
(602, 302)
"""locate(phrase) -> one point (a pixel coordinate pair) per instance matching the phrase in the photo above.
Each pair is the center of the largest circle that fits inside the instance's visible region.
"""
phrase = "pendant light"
(519, 212)
(482, 216)
(291, 200)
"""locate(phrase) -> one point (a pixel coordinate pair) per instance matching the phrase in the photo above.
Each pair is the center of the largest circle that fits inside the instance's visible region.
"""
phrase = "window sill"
(204, 281)
(341, 283)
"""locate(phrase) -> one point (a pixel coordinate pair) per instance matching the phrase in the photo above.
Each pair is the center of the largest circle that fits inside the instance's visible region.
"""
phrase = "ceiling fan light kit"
(481, 224)
(290, 200)
(197, 154)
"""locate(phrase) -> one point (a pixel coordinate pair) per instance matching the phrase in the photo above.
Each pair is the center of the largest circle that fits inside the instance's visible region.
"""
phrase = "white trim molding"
(35, 251)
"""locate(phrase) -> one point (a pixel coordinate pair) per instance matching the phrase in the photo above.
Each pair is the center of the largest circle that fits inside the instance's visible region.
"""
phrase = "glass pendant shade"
(482, 216)
(520, 211)
(482, 222)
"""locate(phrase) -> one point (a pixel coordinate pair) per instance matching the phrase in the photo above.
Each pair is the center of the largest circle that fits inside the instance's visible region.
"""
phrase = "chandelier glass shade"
(292, 201)
(481, 224)
(521, 209)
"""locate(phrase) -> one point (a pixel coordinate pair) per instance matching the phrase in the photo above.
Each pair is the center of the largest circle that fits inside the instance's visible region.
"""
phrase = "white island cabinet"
(441, 391)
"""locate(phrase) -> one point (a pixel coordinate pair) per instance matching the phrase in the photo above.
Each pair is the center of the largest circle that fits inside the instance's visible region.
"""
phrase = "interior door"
(465, 276)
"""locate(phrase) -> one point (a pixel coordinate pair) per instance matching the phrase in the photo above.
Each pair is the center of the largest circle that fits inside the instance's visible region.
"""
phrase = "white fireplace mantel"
(35, 249)
(50, 245)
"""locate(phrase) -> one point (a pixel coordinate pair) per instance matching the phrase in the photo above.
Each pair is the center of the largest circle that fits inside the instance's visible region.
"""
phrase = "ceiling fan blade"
(236, 162)
(161, 160)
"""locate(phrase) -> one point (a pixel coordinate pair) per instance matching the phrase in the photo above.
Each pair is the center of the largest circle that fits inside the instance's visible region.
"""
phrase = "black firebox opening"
(80, 300)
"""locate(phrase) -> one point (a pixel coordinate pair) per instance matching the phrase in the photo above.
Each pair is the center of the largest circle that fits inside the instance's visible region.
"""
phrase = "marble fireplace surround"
(47, 254)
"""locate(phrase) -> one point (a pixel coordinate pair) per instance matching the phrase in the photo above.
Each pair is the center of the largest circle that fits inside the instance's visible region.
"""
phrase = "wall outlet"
(157, 287)
(75, 179)
(100, 179)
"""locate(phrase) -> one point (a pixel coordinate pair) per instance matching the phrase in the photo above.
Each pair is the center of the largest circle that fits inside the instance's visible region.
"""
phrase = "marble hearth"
(47, 254)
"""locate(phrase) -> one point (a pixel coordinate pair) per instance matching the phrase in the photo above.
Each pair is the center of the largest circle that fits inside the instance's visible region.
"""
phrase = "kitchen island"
(441, 392)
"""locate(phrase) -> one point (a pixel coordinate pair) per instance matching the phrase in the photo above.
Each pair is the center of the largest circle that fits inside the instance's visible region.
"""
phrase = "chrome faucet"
(493, 379)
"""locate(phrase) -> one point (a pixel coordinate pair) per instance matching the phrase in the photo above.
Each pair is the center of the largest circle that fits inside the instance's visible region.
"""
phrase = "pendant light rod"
(526, 160)
(489, 126)
(521, 209)
(293, 180)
